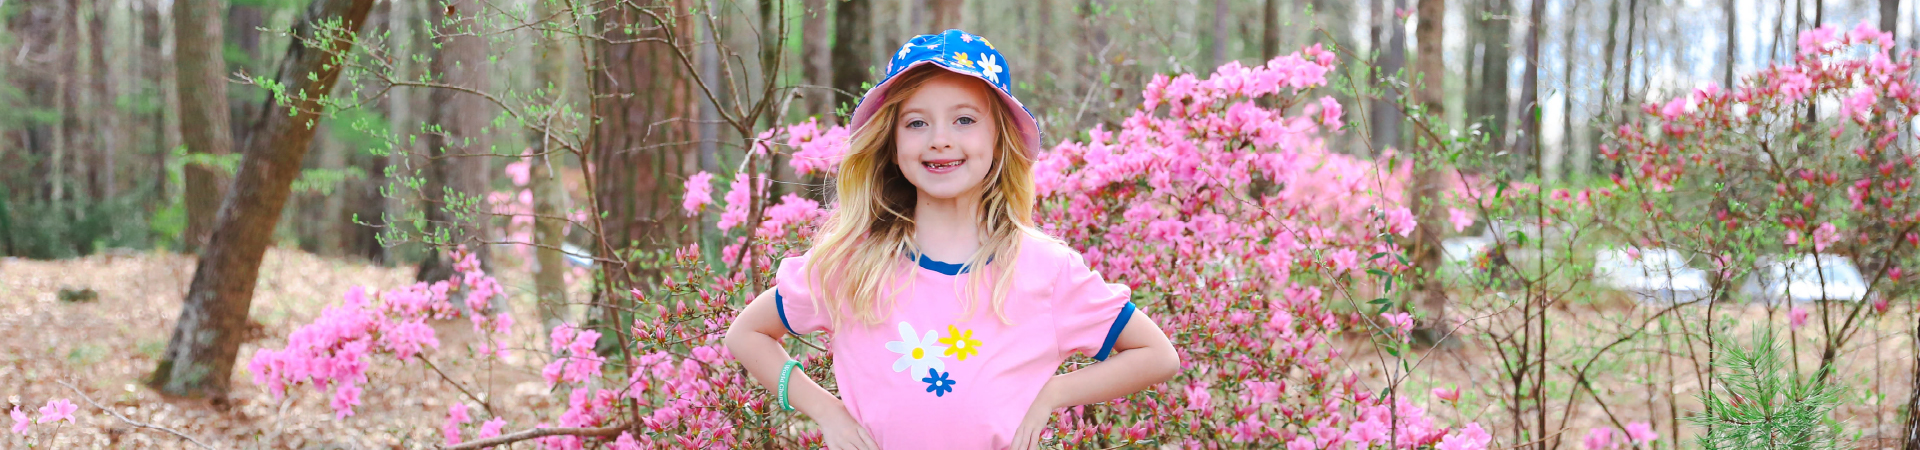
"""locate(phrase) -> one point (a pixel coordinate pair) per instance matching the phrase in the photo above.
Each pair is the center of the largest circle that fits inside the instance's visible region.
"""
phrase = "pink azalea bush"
(1240, 212)
(1222, 208)
(1217, 200)
(336, 349)
(1748, 163)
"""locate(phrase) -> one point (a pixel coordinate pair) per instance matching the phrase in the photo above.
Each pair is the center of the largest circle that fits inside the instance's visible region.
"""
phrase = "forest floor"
(105, 346)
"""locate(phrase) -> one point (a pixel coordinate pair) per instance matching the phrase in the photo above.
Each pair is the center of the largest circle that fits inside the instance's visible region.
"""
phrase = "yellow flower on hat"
(962, 59)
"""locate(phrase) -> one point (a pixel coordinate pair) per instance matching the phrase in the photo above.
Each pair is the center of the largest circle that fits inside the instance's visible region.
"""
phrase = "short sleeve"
(1088, 312)
(793, 294)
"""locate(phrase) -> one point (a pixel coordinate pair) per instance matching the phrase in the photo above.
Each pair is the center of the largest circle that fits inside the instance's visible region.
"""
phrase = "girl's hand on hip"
(846, 435)
(1027, 436)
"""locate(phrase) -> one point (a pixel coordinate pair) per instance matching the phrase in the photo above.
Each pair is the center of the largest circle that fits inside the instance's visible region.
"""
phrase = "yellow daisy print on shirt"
(960, 344)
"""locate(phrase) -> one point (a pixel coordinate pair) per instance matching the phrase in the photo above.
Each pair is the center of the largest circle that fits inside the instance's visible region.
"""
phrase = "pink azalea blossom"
(1858, 106)
(345, 398)
(737, 201)
(699, 193)
(491, 428)
(1797, 317)
(1641, 433)
(20, 422)
(625, 442)
(56, 410)
(1816, 40)
(1460, 219)
(1401, 221)
(1198, 397)
(520, 172)
(1470, 438)
(1330, 113)
(1401, 323)
(1365, 433)
(1867, 33)
(1792, 84)
(1674, 109)
(1793, 238)
(456, 415)
(1450, 395)
(1824, 236)
(1600, 438)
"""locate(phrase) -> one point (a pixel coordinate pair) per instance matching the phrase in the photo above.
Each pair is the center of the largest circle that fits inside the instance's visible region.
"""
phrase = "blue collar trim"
(944, 268)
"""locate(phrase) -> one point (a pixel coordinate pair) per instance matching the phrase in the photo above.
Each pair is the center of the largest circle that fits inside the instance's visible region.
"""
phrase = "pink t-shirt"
(924, 379)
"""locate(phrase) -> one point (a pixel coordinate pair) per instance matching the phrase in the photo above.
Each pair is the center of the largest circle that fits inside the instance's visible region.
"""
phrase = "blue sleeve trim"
(781, 304)
(1113, 334)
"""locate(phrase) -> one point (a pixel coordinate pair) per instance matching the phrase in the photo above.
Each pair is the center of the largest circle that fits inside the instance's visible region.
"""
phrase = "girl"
(949, 312)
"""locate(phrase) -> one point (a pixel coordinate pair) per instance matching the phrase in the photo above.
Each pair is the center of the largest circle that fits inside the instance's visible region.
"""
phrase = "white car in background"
(1658, 275)
(1462, 250)
(1804, 278)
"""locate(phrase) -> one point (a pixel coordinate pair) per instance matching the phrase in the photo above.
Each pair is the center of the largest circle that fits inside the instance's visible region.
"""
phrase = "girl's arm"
(754, 340)
(1143, 358)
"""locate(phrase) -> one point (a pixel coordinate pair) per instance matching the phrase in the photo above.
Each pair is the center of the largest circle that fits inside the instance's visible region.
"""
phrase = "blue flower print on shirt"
(938, 383)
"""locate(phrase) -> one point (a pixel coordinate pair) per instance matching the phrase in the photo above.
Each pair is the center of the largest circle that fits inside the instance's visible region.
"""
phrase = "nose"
(942, 138)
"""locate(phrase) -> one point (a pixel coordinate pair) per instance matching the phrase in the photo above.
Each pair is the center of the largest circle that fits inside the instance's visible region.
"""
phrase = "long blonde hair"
(863, 247)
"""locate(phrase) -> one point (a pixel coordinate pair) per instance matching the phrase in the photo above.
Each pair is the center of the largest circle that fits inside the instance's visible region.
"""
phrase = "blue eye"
(965, 120)
(916, 123)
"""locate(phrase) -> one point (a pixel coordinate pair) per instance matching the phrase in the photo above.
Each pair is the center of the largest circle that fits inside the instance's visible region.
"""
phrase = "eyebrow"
(966, 105)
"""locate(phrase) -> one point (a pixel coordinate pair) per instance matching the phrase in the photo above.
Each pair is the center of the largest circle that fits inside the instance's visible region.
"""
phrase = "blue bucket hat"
(957, 52)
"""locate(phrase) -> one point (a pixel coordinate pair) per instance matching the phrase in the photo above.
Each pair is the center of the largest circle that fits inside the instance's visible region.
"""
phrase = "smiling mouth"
(943, 165)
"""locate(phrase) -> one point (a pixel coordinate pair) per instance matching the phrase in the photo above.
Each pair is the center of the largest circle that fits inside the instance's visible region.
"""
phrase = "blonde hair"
(863, 246)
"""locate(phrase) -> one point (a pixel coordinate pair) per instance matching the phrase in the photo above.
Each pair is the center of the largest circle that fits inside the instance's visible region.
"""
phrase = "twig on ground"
(135, 423)
(539, 433)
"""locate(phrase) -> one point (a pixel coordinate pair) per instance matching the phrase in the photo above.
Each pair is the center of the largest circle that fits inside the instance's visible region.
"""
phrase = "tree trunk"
(1385, 113)
(1270, 29)
(1525, 152)
(946, 15)
(170, 137)
(549, 268)
(1424, 192)
(1490, 100)
(199, 358)
(1626, 76)
(1568, 146)
(1911, 432)
(457, 161)
(1733, 46)
(816, 59)
(243, 32)
(202, 78)
(852, 43)
(1217, 47)
(637, 159)
(401, 110)
(1889, 17)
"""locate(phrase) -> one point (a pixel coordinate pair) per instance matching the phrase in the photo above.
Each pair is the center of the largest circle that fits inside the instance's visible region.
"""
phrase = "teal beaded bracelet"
(786, 372)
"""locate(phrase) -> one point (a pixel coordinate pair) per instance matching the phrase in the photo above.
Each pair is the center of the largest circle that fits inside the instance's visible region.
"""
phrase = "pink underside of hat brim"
(1022, 119)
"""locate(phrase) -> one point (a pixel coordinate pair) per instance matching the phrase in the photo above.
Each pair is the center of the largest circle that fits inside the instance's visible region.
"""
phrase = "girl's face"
(945, 137)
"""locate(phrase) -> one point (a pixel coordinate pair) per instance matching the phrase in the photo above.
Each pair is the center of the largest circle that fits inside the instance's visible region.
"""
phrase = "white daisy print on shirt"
(917, 353)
